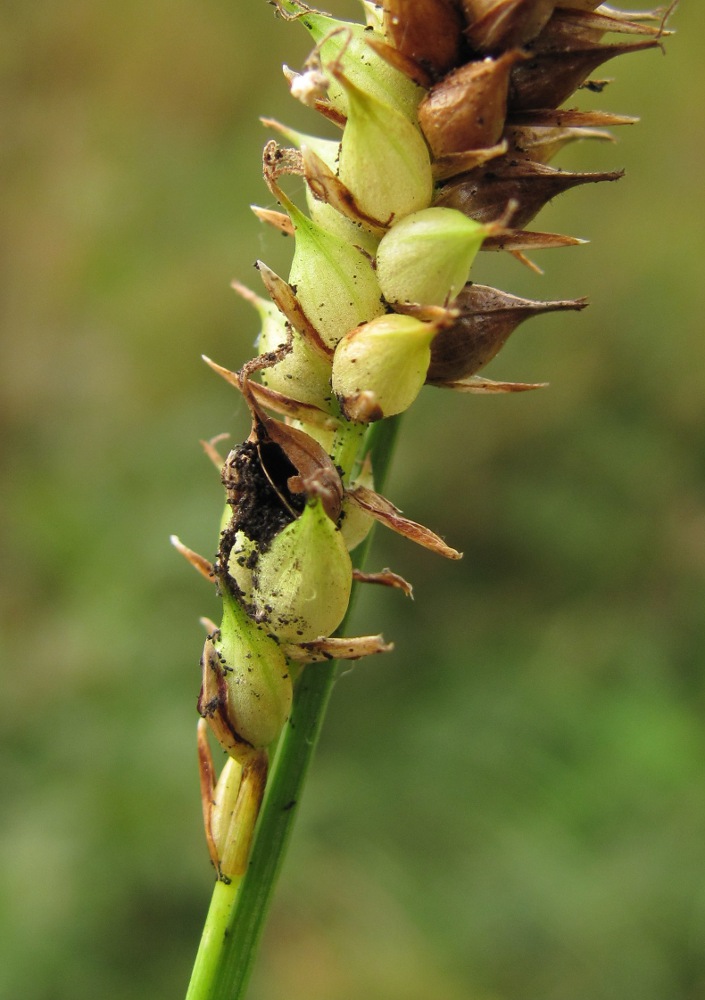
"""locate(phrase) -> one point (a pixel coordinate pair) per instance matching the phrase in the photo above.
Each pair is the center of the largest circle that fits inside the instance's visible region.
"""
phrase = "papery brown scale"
(569, 28)
(505, 24)
(488, 317)
(484, 194)
(519, 240)
(539, 145)
(567, 118)
(427, 31)
(581, 4)
(467, 109)
(547, 79)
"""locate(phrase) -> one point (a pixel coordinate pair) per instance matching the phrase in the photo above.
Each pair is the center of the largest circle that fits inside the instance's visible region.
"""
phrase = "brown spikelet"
(427, 31)
(487, 318)
(467, 109)
(484, 194)
(494, 25)
(547, 79)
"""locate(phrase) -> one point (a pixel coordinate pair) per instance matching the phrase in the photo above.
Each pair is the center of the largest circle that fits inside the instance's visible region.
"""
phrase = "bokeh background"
(511, 806)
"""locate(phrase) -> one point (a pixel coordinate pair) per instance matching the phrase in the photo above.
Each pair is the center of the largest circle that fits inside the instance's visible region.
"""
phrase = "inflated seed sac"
(334, 282)
(303, 580)
(302, 373)
(247, 689)
(504, 24)
(426, 258)
(380, 367)
(384, 160)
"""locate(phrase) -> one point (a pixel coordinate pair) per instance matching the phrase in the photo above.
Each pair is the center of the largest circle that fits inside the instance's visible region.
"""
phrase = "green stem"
(236, 918)
(220, 913)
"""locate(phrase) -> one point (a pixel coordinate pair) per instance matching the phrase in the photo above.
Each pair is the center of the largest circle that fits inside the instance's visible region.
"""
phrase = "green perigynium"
(247, 687)
(444, 116)
(426, 258)
(379, 368)
(302, 582)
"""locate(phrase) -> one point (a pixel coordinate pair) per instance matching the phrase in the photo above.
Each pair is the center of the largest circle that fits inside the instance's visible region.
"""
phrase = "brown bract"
(547, 79)
(487, 317)
(484, 194)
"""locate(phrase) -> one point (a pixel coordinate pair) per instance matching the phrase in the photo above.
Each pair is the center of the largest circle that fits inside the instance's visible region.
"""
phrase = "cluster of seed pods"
(445, 116)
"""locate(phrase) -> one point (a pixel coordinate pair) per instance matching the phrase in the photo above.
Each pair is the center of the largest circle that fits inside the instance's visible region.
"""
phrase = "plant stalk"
(238, 911)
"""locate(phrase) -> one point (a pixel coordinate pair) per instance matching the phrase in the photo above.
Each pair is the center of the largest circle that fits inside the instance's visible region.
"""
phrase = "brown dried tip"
(467, 109)
(494, 25)
(386, 578)
(487, 386)
(333, 648)
(488, 317)
(484, 194)
(427, 31)
(383, 510)
(517, 240)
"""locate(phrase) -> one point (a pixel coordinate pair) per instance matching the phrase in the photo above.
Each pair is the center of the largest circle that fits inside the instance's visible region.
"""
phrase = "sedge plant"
(441, 120)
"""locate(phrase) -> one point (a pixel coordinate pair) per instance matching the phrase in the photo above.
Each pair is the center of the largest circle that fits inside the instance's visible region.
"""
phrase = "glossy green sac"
(303, 581)
(247, 687)
(379, 368)
(334, 282)
(384, 159)
(426, 258)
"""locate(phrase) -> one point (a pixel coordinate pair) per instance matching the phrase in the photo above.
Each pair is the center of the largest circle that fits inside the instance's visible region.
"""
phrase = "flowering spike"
(449, 117)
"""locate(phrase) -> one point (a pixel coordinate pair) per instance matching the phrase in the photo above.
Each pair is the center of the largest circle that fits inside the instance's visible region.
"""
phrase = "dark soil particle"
(258, 509)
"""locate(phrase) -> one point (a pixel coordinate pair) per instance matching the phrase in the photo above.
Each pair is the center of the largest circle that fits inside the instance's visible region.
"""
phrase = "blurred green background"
(512, 804)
